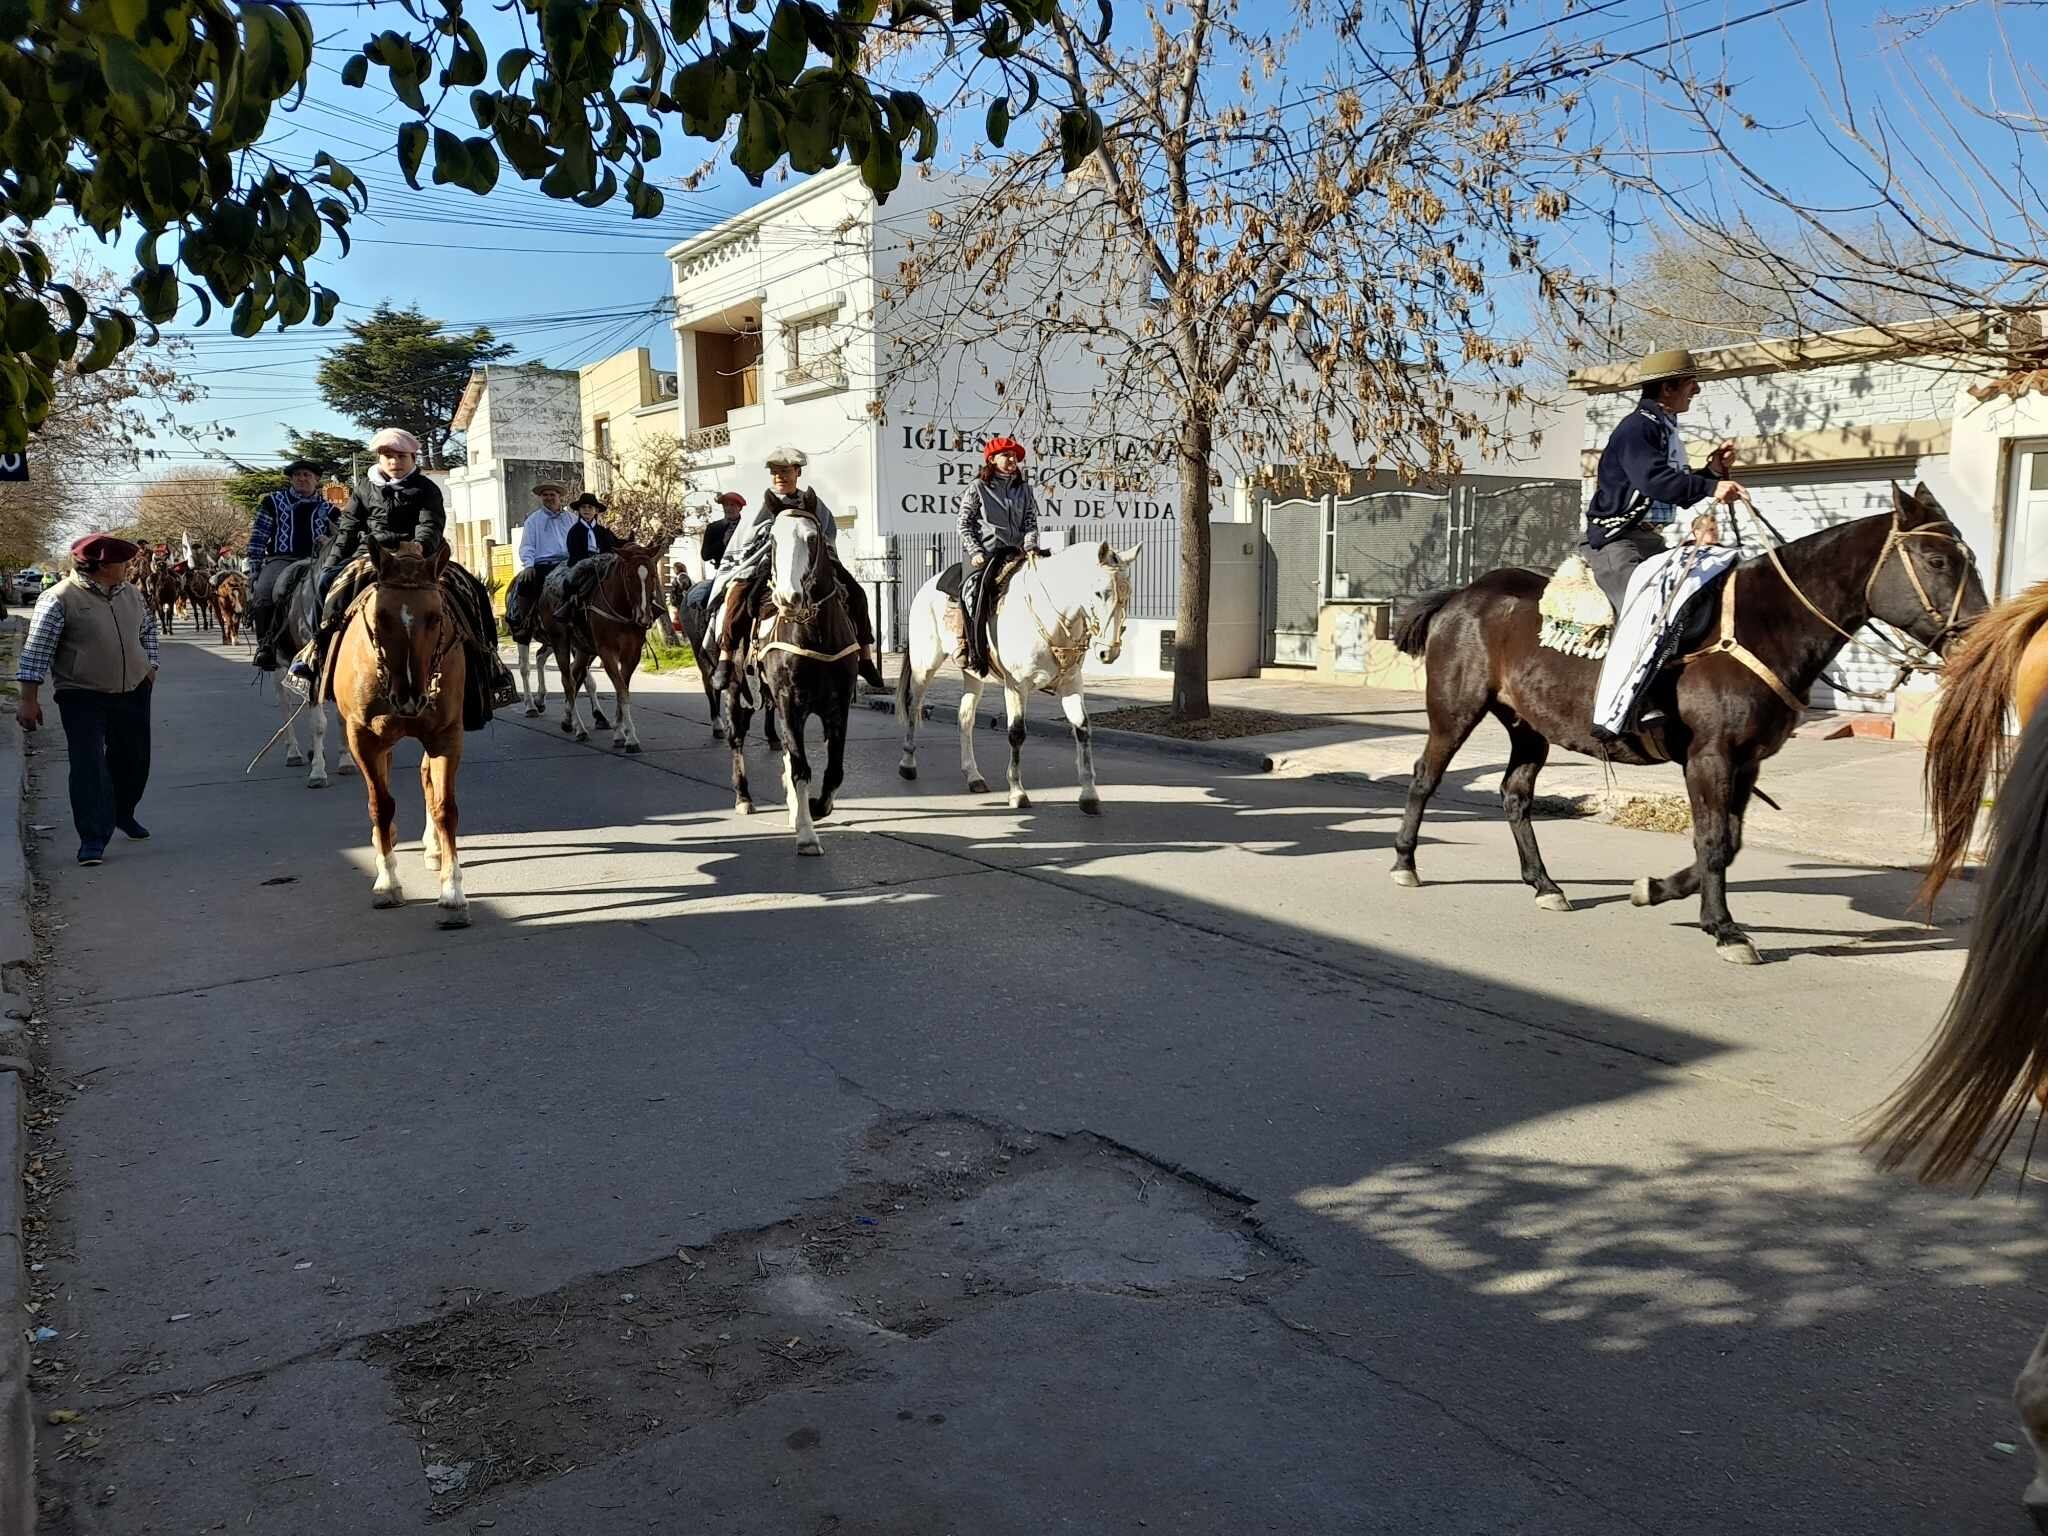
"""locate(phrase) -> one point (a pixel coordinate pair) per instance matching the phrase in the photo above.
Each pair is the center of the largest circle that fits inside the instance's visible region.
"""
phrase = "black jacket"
(1635, 470)
(580, 535)
(716, 536)
(387, 515)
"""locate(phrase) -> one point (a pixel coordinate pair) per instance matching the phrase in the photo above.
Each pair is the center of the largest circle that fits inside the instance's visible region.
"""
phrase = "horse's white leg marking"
(1075, 707)
(924, 652)
(437, 774)
(294, 754)
(317, 777)
(1014, 703)
(970, 705)
(799, 792)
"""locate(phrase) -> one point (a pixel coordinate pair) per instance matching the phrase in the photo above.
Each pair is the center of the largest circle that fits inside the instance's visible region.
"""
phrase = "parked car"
(28, 584)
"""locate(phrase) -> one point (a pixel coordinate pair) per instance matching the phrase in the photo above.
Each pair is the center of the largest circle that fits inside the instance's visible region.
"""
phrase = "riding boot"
(262, 620)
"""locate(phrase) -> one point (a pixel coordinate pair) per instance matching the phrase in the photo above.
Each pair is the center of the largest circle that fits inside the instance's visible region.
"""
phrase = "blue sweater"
(1642, 467)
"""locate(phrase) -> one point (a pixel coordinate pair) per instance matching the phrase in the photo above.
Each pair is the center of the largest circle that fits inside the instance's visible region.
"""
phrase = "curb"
(17, 956)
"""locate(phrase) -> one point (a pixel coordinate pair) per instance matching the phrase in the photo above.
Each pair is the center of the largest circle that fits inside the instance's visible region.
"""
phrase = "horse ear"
(1123, 556)
(442, 554)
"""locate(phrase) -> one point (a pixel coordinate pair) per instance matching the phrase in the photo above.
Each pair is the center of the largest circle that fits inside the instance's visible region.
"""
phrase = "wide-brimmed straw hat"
(1671, 363)
(548, 485)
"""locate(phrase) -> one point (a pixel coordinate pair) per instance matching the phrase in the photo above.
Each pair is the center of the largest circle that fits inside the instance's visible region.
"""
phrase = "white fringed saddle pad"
(1577, 618)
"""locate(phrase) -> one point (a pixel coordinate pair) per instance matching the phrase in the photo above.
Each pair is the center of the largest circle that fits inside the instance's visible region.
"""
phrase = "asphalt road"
(1029, 1172)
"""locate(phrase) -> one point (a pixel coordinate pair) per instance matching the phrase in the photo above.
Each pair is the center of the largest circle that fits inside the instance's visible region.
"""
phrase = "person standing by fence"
(94, 638)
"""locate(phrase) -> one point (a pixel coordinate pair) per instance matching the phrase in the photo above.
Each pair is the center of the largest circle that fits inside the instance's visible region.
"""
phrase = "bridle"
(1067, 657)
(451, 636)
(805, 609)
(643, 608)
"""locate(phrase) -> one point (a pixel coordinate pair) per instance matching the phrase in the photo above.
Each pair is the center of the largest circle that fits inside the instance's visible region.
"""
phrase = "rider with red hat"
(998, 516)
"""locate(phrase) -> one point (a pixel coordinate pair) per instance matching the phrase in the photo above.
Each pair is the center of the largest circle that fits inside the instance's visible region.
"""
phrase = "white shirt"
(545, 536)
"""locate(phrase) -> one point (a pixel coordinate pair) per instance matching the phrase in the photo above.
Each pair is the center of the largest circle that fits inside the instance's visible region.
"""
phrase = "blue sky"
(568, 285)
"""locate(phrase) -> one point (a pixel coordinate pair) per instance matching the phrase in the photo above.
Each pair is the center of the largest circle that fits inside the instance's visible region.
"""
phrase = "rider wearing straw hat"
(1644, 479)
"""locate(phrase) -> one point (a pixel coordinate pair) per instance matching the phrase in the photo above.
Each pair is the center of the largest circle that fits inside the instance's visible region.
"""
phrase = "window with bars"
(812, 351)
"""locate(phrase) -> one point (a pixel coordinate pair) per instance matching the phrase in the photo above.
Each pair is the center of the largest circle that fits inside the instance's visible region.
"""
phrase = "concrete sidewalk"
(1855, 800)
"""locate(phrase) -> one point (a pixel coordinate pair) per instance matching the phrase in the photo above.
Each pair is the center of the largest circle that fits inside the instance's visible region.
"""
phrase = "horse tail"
(903, 684)
(1967, 744)
(1411, 633)
(1992, 1047)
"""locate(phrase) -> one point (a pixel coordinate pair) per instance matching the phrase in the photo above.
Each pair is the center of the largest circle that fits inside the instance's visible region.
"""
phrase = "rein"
(1065, 657)
(799, 615)
(451, 637)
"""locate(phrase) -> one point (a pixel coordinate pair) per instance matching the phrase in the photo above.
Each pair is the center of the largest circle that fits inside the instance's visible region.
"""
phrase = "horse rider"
(396, 504)
(735, 579)
(711, 548)
(588, 536)
(290, 523)
(998, 517)
(543, 545)
(1644, 478)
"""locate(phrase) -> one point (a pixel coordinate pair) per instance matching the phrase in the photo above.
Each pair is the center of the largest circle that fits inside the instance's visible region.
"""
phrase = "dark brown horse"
(608, 624)
(1726, 708)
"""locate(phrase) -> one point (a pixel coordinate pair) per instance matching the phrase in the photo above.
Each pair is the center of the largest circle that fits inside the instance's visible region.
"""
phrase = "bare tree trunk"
(1191, 612)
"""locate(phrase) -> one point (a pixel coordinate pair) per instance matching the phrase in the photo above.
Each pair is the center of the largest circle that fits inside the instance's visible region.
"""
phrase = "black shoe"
(91, 853)
(1605, 737)
(265, 659)
(131, 828)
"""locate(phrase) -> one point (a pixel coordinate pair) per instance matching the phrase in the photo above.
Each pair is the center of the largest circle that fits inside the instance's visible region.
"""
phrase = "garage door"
(1799, 502)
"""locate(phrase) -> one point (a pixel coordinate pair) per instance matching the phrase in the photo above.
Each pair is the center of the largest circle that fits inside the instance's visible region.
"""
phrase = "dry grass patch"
(1222, 724)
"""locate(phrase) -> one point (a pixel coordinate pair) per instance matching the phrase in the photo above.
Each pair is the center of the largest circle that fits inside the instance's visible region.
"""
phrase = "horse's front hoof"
(820, 809)
(1641, 895)
(1738, 952)
(743, 807)
(598, 720)
(1020, 801)
(1405, 877)
(316, 781)
(581, 735)
(1554, 901)
(717, 733)
(811, 850)
(391, 898)
(977, 786)
(633, 748)
(533, 711)
(295, 758)
(906, 771)
(1091, 805)
(452, 915)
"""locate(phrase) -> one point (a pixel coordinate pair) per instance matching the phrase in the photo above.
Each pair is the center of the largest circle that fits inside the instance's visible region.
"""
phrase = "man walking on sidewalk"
(94, 637)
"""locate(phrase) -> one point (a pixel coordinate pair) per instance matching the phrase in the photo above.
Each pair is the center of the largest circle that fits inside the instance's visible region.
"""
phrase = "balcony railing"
(825, 370)
(704, 439)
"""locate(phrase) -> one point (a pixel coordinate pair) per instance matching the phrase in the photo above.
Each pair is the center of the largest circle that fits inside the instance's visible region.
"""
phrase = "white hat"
(396, 437)
(787, 455)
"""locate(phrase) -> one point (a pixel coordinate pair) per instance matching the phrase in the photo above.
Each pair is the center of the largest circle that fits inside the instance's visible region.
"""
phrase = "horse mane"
(1967, 745)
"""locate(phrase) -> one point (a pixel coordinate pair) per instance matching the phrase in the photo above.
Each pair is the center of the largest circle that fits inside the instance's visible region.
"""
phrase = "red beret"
(732, 499)
(998, 445)
(102, 549)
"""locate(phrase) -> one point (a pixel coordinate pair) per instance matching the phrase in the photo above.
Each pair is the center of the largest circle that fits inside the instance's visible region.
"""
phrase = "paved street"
(997, 1172)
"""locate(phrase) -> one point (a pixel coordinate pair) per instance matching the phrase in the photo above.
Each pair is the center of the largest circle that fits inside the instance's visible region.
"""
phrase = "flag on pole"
(188, 550)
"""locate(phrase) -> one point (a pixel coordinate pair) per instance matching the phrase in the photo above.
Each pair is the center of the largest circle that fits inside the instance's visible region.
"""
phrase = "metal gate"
(1292, 580)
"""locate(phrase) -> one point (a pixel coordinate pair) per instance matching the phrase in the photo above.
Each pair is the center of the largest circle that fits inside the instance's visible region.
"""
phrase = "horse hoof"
(383, 899)
(1639, 895)
(811, 850)
(717, 734)
(316, 781)
(1405, 877)
(568, 726)
(598, 720)
(906, 770)
(1091, 805)
(632, 748)
(1738, 952)
(820, 809)
(295, 759)
(581, 735)
(977, 786)
(1020, 802)
(533, 711)
(743, 807)
(452, 917)
(1554, 901)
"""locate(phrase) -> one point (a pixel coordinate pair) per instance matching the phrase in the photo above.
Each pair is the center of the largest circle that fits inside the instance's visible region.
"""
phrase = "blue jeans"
(698, 595)
(107, 735)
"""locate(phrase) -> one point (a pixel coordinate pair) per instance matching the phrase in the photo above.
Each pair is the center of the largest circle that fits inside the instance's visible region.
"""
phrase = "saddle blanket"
(1661, 593)
(1577, 618)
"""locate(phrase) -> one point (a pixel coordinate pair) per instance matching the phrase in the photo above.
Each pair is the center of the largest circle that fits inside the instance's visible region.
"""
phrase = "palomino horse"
(610, 626)
(298, 620)
(230, 602)
(1991, 1052)
(399, 671)
(1731, 706)
(807, 656)
(1055, 607)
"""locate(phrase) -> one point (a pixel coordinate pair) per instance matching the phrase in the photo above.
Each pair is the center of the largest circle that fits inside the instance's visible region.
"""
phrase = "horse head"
(801, 574)
(1925, 582)
(630, 587)
(1111, 603)
(411, 628)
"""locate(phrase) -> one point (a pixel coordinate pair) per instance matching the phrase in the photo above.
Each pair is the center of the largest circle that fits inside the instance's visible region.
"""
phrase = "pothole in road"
(947, 1219)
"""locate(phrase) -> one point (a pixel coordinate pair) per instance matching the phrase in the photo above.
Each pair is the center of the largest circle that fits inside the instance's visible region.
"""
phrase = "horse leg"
(572, 682)
(535, 703)
(834, 723)
(736, 738)
(1451, 722)
(912, 683)
(597, 719)
(294, 754)
(970, 704)
(620, 671)
(1714, 785)
(1528, 750)
(437, 777)
(375, 761)
(430, 841)
(796, 782)
(1075, 707)
(1014, 704)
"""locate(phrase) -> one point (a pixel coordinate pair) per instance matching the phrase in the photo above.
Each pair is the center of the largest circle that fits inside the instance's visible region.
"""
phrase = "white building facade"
(522, 424)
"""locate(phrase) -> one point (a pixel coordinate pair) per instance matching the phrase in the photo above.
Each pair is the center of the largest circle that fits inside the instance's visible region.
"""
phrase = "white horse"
(296, 756)
(1055, 607)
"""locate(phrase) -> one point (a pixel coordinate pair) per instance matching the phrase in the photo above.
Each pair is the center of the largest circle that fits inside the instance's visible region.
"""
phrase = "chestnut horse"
(399, 669)
(609, 626)
(1727, 709)
(1992, 1047)
(230, 602)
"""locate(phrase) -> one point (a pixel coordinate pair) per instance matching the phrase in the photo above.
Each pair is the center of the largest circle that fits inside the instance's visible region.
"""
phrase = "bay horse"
(166, 591)
(1727, 708)
(1055, 607)
(1991, 1051)
(806, 654)
(198, 595)
(230, 602)
(609, 626)
(398, 671)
